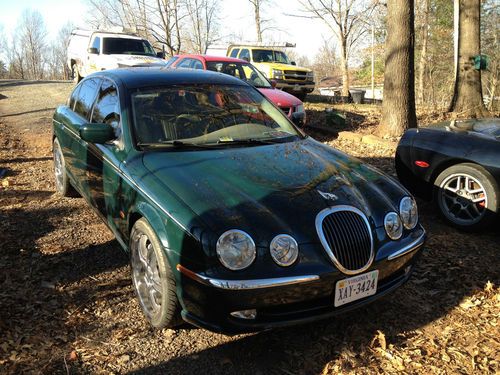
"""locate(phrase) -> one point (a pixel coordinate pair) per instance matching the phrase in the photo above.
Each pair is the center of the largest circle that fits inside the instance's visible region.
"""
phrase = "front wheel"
(467, 196)
(63, 186)
(152, 277)
(76, 73)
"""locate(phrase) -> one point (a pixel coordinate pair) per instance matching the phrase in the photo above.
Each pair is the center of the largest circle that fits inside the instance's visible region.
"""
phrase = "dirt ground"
(67, 304)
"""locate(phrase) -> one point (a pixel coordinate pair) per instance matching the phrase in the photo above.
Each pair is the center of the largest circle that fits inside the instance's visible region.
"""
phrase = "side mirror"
(161, 55)
(293, 63)
(97, 133)
(93, 51)
(274, 83)
(298, 118)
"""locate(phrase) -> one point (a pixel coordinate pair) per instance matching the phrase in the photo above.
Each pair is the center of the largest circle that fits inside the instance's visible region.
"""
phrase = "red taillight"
(421, 164)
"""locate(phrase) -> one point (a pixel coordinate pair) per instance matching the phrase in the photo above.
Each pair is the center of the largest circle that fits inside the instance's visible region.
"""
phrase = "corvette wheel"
(152, 277)
(467, 196)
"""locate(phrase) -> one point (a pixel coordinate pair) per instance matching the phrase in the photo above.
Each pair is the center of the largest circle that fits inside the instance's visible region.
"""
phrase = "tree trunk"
(422, 64)
(467, 94)
(256, 5)
(344, 67)
(398, 107)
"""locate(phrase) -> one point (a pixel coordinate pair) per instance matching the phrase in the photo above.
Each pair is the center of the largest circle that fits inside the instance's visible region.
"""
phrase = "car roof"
(137, 77)
(213, 58)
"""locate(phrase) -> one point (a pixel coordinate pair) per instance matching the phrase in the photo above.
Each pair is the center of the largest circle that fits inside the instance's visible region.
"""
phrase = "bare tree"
(203, 25)
(258, 6)
(344, 18)
(398, 108)
(467, 94)
(56, 67)
(422, 63)
(32, 34)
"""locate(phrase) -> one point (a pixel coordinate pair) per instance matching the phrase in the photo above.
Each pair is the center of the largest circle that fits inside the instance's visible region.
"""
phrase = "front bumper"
(208, 302)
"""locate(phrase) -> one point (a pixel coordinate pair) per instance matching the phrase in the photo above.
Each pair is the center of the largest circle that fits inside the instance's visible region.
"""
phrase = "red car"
(293, 107)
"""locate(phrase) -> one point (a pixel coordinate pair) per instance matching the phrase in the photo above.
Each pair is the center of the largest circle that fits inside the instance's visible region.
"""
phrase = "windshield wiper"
(174, 143)
(248, 141)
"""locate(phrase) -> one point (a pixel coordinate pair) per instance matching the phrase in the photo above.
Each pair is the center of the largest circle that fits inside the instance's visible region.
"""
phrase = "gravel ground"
(67, 304)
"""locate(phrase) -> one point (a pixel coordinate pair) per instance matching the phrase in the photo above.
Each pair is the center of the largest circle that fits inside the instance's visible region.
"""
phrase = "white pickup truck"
(92, 51)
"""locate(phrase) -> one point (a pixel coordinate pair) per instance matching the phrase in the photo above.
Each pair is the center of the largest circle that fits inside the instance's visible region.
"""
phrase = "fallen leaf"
(73, 356)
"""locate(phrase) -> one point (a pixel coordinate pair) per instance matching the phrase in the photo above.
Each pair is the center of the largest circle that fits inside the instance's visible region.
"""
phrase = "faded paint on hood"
(272, 189)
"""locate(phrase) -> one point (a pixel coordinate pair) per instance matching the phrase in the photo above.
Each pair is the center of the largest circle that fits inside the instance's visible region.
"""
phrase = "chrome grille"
(295, 75)
(346, 236)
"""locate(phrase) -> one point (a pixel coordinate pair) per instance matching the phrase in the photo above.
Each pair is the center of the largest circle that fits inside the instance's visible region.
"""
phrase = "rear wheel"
(152, 277)
(467, 196)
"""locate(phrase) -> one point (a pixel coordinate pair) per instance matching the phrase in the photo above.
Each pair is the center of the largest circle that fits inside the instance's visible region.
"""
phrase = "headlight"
(310, 75)
(299, 108)
(393, 226)
(408, 212)
(278, 74)
(235, 249)
(284, 250)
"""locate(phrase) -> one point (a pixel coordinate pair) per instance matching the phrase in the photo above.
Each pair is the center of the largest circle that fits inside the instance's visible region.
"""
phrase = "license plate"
(355, 288)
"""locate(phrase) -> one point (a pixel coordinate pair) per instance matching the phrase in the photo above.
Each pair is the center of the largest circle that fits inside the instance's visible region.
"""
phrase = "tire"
(76, 73)
(63, 186)
(301, 96)
(467, 196)
(152, 277)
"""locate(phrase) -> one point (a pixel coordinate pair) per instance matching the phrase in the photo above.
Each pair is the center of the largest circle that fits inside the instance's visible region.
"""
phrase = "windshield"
(207, 115)
(245, 72)
(126, 46)
(264, 55)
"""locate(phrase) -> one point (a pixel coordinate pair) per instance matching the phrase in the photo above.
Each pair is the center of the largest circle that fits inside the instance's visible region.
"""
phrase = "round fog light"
(245, 314)
(284, 250)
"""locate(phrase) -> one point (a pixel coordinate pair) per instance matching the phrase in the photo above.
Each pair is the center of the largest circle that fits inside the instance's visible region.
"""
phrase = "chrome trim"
(408, 248)
(295, 255)
(253, 283)
(319, 221)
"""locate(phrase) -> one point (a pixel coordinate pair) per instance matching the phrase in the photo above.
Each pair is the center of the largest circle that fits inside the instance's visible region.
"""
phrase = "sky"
(236, 19)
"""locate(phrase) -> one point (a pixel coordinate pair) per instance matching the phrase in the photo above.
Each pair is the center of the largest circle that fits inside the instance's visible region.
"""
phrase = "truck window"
(245, 54)
(185, 63)
(97, 44)
(86, 97)
(197, 64)
(234, 52)
(127, 46)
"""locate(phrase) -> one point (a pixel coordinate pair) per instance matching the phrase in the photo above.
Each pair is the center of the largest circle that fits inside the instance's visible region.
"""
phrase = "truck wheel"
(301, 96)
(76, 73)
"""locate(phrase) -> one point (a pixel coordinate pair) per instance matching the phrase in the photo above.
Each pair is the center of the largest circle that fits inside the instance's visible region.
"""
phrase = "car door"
(73, 147)
(103, 160)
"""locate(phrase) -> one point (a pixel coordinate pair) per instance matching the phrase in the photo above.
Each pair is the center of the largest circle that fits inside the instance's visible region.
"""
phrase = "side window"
(97, 43)
(86, 97)
(72, 98)
(107, 107)
(234, 52)
(186, 63)
(245, 54)
(197, 64)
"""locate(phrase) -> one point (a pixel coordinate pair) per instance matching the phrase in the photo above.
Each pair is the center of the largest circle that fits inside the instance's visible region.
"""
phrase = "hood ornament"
(328, 196)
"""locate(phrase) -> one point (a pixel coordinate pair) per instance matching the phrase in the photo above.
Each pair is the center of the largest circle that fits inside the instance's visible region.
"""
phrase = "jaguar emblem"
(328, 196)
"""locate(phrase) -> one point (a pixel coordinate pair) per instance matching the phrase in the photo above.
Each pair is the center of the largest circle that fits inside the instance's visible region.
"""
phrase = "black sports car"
(457, 164)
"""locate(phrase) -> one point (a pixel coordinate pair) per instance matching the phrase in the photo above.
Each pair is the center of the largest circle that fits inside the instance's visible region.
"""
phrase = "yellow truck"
(276, 65)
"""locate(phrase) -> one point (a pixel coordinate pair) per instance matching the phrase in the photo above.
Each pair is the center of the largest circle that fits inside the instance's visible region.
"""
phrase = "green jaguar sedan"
(234, 220)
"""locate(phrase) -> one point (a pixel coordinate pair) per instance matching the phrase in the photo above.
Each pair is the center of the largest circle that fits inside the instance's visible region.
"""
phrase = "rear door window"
(86, 97)
(73, 97)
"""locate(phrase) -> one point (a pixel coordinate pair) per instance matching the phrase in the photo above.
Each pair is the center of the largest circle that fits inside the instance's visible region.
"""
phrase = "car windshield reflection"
(207, 115)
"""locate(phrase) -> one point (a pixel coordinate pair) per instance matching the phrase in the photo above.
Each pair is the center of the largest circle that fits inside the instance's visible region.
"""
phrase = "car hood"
(271, 189)
(281, 98)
